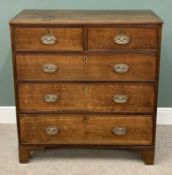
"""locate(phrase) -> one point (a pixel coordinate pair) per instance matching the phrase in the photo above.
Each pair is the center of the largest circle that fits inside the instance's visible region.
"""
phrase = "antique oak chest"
(86, 78)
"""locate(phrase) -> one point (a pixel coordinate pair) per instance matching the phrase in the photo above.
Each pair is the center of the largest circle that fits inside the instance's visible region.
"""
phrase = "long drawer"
(111, 38)
(90, 97)
(89, 129)
(121, 67)
(54, 39)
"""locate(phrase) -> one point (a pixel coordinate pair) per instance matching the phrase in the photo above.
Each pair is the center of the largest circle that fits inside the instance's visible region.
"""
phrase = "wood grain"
(140, 38)
(76, 129)
(67, 39)
(86, 88)
(33, 129)
(99, 130)
(98, 97)
(24, 154)
(148, 155)
(95, 68)
(71, 17)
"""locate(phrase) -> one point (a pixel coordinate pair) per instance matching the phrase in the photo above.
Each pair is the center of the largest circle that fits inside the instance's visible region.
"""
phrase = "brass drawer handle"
(119, 131)
(121, 68)
(48, 39)
(120, 99)
(51, 130)
(122, 39)
(50, 98)
(49, 68)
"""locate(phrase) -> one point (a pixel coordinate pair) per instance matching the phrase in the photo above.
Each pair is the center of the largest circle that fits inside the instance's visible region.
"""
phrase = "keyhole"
(49, 32)
(85, 59)
(85, 88)
(121, 31)
(85, 118)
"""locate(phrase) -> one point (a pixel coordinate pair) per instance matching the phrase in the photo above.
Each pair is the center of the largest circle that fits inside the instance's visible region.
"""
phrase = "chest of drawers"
(86, 78)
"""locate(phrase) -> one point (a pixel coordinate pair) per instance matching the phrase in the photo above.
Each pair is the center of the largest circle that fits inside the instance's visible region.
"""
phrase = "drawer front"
(122, 38)
(77, 97)
(119, 130)
(122, 67)
(52, 129)
(55, 39)
(74, 129)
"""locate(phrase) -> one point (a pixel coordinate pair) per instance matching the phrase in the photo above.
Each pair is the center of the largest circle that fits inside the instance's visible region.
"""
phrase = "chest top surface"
(86, 17)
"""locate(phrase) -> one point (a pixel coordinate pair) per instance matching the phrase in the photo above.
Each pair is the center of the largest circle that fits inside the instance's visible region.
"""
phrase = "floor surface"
(84, 161)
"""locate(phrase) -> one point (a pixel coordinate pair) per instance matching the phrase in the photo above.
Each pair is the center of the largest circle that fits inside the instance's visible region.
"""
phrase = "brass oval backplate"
(120, 99)
(50, 98)
(49, 68)
(48, 39)
(119, 131)
(52, 130)
(121, 68)
(122, 38)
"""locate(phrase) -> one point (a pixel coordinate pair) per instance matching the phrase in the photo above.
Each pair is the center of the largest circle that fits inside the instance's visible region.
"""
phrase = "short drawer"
(54, 39)
(89, 97)
(110, 38)
(119, 130)
(52, 129)
(118, 67)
